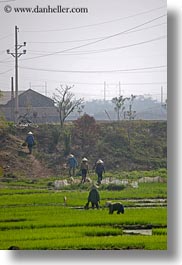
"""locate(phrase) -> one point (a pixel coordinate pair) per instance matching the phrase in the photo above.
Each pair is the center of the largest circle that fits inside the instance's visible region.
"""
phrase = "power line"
(110, 49)
(89, 39)
(101, 23)
(93, 71)
(5, 37)
(97, 41)
(3, 1)
(90, 43)
(123, 84)
(154, 26)
(125, 46)
(2, 73)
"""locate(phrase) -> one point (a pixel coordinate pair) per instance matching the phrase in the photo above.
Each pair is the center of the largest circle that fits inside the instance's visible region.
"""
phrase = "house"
(36, 106)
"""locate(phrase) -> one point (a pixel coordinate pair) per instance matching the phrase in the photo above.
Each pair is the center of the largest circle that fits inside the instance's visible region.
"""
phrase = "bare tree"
(66, 102)
(130, 114)
(119, 105)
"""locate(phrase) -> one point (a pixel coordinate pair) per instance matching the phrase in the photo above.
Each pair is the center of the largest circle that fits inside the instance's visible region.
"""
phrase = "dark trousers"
(99, 177)
(30, 148)
(95, 204)
(72, 171)
(84, 175)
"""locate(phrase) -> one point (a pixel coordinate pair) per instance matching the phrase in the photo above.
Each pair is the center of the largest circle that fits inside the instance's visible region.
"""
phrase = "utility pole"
(16, 54)
(12, 88)
(45, 88)
(161, 95)
(104, 91)
(119, 89)
(12, 97)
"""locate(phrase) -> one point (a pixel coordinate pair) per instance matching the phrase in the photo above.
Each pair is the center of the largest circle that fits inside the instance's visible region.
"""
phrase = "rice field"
(36, 218)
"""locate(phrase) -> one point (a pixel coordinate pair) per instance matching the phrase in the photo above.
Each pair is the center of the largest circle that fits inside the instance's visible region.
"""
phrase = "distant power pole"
(104, 91)
(119, 89)
(12, 88)
(45, 88)
(16, 55)
(161, 95)
(12, 97)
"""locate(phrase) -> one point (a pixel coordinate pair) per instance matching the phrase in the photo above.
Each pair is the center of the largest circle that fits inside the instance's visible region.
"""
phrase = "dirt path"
(15, 160)
(36, 168)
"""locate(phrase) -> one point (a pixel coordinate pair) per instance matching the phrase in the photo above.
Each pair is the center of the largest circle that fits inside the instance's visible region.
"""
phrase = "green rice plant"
(66, 228)
(36, 218)
(10, 197)
(56, 216)
(96, 243)
(159, 231)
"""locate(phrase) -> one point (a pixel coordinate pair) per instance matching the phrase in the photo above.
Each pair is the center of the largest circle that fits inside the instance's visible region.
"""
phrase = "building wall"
(38, 115)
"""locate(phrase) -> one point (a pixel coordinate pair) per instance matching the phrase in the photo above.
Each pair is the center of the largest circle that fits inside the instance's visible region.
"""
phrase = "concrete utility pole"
(104, 91)
(45, 88)
(12, 97)
(161, 95)
(16, 55)
(119, 89)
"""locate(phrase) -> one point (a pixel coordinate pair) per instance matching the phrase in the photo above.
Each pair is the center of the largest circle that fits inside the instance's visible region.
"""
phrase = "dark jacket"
(72, 162)
(94, 196)
(99, 168)
(30, 140)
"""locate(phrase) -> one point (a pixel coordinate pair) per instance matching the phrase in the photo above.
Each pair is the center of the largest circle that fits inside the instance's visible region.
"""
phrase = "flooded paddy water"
(146, 232)
(145, 202)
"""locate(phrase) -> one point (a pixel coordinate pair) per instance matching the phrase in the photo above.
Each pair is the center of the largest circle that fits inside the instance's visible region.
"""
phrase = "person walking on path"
(93, 197)
(84, 169)
(30, 141)
(99, 169)
(72, 164)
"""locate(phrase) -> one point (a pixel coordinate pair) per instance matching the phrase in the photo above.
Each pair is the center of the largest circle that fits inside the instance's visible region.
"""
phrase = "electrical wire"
(98, 24)
(94, 42)
(89, 39)
(4, 1)
(108, 84)
(108, 49)
(93, 72)
(125, 84)
(5, 37)
(6, 71)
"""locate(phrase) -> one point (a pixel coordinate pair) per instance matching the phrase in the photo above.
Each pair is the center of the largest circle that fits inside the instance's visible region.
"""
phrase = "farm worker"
(30, 141)
(94, 197)
(84, 169)
(99, 169)
(72, 164)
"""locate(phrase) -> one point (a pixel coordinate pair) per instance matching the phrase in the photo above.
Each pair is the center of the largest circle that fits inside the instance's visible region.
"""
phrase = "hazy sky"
(118, 41)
